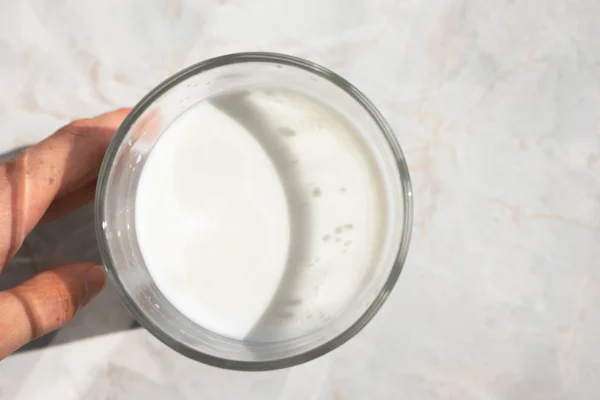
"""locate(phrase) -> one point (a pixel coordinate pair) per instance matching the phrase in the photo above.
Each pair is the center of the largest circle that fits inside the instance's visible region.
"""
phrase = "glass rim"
(238, 58)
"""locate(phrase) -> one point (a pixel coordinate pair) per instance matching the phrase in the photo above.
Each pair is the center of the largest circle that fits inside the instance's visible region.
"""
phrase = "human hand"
(42, 183)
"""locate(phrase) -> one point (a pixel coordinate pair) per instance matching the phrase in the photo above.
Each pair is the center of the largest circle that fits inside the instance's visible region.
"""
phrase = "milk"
(260, 214)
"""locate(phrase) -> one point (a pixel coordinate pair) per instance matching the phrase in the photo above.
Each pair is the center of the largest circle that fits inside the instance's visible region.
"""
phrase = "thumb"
(46, 302)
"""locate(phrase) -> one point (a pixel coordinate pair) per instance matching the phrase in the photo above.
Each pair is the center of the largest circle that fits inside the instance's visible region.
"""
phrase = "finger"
(64, 162)
(45, 302)
(82, 145)
(70, 201)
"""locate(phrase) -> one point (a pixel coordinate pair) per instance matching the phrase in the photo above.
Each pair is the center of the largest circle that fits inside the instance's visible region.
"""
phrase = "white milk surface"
(260, 214)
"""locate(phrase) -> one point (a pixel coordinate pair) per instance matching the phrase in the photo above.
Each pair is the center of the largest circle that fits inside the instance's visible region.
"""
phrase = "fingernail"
(94, 280)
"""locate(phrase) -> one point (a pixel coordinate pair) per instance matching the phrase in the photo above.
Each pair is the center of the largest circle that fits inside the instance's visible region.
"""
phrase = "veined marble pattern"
(497, 106)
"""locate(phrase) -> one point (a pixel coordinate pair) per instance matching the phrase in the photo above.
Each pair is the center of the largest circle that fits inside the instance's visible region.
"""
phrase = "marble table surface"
(497, 106)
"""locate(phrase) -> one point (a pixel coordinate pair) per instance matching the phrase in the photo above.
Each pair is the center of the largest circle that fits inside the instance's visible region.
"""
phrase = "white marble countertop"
(497, 106)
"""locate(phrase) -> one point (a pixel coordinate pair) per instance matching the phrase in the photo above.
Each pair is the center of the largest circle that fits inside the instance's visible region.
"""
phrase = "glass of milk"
(254, 211)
